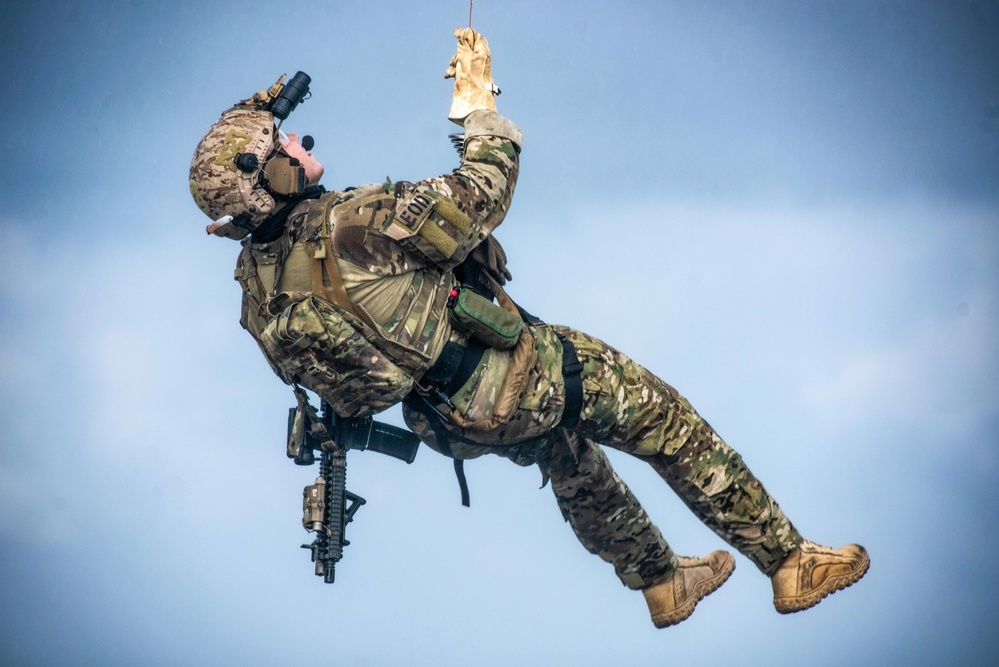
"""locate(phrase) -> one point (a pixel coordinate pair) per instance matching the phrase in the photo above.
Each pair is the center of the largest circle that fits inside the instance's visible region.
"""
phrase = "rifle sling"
(325, 270)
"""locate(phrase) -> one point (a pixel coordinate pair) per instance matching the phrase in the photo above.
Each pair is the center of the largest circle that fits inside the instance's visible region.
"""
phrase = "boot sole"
(833, 584)
(701, 590)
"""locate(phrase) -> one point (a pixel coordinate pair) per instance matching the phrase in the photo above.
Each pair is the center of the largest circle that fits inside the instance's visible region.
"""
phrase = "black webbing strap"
(273, 227)
(527, 317)
(459, 472)
(424, 405)
(572, 370)
(454, 366)
(447, 363)
(469, 362)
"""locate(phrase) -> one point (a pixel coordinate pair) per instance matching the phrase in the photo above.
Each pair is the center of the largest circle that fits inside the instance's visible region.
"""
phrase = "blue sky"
(786, 210)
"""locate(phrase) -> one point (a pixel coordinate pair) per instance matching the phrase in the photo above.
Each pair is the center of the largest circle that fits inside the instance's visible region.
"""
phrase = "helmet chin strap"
(273, 226)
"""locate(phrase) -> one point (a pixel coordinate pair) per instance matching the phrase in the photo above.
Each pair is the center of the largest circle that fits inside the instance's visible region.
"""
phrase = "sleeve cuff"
(490, 123)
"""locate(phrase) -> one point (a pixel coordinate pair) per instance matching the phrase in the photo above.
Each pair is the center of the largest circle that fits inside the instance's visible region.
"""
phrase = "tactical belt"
(452, 370)
(454, 366)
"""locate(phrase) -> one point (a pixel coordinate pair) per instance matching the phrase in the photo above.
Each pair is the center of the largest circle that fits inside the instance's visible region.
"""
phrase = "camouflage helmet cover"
(218, 186)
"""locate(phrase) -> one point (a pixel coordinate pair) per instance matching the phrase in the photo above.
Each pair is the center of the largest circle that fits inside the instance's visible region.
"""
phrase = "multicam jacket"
(351, 301)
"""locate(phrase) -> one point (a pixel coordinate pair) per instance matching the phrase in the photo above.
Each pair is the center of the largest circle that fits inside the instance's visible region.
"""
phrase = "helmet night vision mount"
(281, 174)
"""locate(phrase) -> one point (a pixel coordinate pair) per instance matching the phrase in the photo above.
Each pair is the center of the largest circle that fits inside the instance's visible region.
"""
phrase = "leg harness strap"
(572, 371)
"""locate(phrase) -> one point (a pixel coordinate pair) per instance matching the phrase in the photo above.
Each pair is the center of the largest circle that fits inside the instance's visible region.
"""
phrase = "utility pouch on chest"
(485, 321)
(317, 347)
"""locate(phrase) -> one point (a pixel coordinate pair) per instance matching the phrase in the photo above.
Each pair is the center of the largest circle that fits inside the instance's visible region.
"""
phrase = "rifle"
(326, 511)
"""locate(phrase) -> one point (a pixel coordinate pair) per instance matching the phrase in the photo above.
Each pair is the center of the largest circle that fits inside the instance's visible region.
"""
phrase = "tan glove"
(473, 80)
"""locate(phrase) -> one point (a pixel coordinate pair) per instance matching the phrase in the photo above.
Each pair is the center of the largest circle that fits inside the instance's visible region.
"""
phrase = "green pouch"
(483, 320)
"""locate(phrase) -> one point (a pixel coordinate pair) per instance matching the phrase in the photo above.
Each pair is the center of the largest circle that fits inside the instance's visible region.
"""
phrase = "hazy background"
(788, 210)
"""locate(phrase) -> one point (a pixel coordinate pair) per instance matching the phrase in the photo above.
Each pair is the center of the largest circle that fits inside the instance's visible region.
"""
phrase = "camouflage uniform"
(395, 247)
(628, 408)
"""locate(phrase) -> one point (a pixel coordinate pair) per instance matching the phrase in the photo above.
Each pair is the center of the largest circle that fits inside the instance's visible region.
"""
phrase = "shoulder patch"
(411, 213)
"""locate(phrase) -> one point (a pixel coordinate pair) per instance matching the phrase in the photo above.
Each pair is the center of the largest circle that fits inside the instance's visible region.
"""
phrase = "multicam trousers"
(628, 408)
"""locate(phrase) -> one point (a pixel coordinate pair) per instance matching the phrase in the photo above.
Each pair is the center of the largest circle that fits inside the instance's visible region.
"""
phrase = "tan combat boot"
(813, 571)
(674, 600)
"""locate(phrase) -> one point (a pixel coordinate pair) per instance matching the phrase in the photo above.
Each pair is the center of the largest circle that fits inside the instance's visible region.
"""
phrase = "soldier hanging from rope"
(396, 293)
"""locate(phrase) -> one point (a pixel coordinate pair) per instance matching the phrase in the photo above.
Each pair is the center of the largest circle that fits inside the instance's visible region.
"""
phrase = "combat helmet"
(238, 176)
